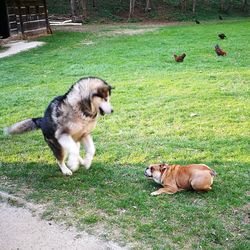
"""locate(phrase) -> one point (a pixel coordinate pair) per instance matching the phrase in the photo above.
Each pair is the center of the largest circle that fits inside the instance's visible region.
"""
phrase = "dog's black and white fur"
(69, 120)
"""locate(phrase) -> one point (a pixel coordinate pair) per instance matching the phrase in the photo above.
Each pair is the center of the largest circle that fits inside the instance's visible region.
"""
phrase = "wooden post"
(20, 18)
(46, 17)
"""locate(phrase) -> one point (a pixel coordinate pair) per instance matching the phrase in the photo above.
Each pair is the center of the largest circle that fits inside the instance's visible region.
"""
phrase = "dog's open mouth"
(101, 111)
(147, 175)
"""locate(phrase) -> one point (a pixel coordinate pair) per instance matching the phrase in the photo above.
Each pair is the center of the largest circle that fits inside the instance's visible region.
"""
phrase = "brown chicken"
(219, 51)
(179, 58)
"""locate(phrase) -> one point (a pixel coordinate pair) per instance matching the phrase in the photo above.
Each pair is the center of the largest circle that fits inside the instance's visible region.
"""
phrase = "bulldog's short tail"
(24, 126)
(213, 173)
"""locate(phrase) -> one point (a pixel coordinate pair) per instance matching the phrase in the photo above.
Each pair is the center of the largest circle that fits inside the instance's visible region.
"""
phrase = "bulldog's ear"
(164, 167)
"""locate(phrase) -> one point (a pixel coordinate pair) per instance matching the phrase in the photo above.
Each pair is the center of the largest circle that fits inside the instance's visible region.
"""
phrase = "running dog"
(175, 178)
(69, 120)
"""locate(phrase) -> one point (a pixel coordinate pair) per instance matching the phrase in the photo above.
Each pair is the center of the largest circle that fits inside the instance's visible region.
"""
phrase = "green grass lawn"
(154, 100)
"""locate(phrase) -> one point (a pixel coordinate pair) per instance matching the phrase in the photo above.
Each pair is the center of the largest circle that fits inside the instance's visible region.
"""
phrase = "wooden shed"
(23, 18)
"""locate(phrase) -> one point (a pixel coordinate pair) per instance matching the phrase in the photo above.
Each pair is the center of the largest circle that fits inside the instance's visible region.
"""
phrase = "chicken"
(197, 22)
(222, 36)
(219, 51)
(220, 17)
(179, 58)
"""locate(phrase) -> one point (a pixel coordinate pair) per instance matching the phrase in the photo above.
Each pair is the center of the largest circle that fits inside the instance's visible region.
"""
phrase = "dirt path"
(23, 230)
(13, 48)
(115, 29)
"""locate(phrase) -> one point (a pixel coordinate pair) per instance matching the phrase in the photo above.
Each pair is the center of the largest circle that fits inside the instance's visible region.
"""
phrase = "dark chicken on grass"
(219, 51)
(222, 36)
(179, 58)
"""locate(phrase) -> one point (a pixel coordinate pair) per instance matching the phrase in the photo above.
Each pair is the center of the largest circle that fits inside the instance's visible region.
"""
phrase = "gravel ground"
(23, 230)
(16, 47)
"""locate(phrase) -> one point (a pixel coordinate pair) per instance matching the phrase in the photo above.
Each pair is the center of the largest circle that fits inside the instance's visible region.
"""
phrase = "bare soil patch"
(115, 29)
(129, 32)
(22, 228)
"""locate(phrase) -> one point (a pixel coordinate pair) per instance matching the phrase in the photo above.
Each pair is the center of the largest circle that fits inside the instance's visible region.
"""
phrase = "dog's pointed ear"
(110, 88)
(100, 92)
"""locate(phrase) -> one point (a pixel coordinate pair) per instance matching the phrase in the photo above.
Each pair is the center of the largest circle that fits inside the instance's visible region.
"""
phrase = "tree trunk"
(131, 8)
(194, 5)
(84, 8)
(221, 5)
(244, 5)
(73, 7)
(94, 4)
(207, 2)
(229, 6)
(148, 5)
(184, 5)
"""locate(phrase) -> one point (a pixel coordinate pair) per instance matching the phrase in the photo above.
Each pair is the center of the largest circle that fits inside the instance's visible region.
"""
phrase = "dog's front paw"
(73, 168)
(87, 165)
(73, 163)
(155, 193)
(85, 162)
(66, 171)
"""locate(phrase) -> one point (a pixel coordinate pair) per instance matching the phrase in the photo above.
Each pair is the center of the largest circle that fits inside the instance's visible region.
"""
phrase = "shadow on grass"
(120, 195)
(120, 182)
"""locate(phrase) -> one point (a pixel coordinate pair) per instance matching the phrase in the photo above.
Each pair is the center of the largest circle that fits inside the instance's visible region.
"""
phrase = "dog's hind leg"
(203, 183)
(68, 144)
(60, 155)
(90, 151)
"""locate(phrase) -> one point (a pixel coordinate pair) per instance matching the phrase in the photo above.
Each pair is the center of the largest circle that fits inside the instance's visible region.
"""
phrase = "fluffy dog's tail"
(24, 126)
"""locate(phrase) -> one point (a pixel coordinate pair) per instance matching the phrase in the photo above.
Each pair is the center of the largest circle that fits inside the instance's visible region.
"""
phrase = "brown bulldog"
(175, 178)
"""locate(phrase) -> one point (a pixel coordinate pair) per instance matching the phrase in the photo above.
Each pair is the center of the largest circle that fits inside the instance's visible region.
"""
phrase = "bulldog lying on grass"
(175, 178)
